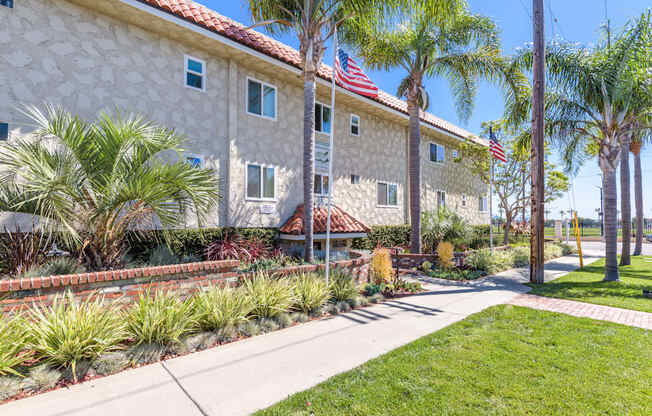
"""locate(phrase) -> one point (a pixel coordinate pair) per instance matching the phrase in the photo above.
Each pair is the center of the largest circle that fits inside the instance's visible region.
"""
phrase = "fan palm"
(314, 22)
(595, 103)
(95, 181)
(460, 47)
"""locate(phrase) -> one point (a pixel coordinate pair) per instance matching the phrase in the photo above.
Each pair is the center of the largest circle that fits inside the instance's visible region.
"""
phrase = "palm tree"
(460, 47)
(594, 104)
(635, 148)
(96, 181)
(625, 204)
(314, 22)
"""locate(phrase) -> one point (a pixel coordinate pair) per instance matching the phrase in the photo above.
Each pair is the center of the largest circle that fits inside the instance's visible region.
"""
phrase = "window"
(441, 199)
(355, 125)
(261, 99)
(387, 194)
(196, 161)
(455, 155)
(355, 179)
(261, 182)
(482, 202)
(322, 118)
(437, 153)
(321, 184)
(463, 200)
(195, 73)
(8, 3)
(4, 131)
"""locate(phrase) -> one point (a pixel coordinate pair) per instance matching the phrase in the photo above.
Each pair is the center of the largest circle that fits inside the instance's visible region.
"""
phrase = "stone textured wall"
(87, 62)
(455, 179)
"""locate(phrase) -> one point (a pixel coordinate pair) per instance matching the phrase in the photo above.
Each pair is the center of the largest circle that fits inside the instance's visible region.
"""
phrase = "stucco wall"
(452, 177)
(87, 62)
(69, 56)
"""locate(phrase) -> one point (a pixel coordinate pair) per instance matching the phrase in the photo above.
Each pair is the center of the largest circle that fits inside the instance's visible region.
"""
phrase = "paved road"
(242, 377)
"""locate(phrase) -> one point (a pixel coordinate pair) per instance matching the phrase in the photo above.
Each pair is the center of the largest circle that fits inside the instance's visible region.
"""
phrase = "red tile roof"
(341, 222)
(215, 22)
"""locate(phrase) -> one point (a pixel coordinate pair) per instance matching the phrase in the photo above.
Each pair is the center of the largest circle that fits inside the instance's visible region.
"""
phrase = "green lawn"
(586, 285)
(504, 360)
(588, 232)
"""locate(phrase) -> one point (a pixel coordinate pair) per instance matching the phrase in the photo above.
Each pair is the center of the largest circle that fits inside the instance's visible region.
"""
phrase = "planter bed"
(130, 356)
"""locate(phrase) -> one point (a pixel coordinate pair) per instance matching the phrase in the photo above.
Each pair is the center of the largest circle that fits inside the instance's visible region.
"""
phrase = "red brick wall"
(126, 285)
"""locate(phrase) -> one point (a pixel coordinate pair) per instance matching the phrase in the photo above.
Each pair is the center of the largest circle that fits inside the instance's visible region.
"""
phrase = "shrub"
(342, 286)
(372, 288)
(521, 255)
(268, 325)
(234, 246)
(21, 251)
(426, 266)
(300, 317)
(70, 331)
(445, 255)
(567, 249)
(381, 266)
(310, 292)
(57, 266)
(384, 236)
(12, 344)
(250, 329)
(552, 251)
(161, 319)
(483, 260)
(44, 377)
(218, 308)
(269, 296)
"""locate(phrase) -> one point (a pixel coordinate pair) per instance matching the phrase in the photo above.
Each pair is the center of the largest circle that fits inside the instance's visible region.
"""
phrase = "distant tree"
(509, 184)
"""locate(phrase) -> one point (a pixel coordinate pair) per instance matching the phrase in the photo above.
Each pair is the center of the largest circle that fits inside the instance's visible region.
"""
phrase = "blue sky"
(574, 20)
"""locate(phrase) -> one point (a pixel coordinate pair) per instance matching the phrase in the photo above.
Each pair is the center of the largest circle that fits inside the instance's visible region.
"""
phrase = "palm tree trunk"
(414, 145)
(625, 204)
(610, 223)
(638, 197)
(308, 161)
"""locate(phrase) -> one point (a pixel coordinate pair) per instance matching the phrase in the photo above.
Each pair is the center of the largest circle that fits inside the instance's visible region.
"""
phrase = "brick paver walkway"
(585, 310)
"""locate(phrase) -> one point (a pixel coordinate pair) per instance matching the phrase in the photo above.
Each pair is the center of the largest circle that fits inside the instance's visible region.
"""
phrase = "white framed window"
(441, 199)
(355, 125)
(261, 99)
(195, 160)
(195, 73)
(322, 118)
(260, 182)
(464, 200)
(4, 131)
(437, 153)
(321, 184)
(482, 204)
(355, 179)
(387, 194)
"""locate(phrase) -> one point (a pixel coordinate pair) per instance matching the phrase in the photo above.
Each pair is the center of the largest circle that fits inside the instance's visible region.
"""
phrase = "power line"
(527, 11)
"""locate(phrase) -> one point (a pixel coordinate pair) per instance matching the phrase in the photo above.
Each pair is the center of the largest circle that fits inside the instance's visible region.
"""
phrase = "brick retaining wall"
(125, 286)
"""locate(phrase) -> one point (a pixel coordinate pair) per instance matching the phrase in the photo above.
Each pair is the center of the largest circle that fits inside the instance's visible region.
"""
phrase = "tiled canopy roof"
(341, 222)
(215, 22)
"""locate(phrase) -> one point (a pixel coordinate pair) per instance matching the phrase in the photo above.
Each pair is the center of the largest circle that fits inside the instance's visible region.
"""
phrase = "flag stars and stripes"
(497, 150)
(350, 76)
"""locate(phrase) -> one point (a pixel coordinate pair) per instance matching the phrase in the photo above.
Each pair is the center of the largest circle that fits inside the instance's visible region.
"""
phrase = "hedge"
(186, 241)
(385, 235)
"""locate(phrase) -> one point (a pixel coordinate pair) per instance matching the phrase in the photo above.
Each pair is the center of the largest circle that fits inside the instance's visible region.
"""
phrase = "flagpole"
(331, 148)
(491, 196)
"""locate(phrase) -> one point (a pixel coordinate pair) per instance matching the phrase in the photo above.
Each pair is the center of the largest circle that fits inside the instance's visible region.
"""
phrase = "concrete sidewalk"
(245, 376)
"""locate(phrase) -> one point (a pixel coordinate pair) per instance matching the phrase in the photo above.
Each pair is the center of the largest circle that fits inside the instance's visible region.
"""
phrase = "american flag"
(349, 75)
(496, 148)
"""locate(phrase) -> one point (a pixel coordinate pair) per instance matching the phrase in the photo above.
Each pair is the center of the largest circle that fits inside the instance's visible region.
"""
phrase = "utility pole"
(537, 151)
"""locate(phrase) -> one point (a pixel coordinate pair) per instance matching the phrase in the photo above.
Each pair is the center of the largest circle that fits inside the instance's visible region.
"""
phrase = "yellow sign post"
(576, 225)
